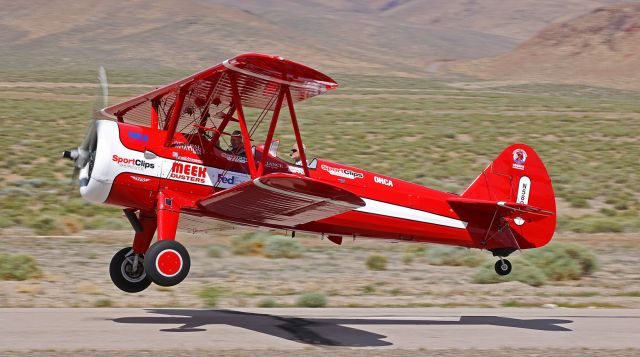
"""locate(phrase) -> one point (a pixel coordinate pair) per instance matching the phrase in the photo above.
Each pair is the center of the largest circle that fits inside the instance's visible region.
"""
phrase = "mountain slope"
(380, 36)
(601, 48)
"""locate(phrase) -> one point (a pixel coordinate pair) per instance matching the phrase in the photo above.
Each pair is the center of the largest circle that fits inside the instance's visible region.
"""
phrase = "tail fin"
(517, 183)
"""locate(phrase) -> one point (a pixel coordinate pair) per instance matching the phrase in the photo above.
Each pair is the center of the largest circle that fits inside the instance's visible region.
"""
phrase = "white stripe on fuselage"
(391, 210)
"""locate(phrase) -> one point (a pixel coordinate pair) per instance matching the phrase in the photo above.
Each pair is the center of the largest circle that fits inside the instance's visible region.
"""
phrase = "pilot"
(295, 154)
(237, 146)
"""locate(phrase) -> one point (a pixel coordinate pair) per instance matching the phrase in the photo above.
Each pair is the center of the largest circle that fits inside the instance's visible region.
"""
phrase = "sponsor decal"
(141, 179)
(188, 172)
(383, 181)
(136, 164)
(296, 170)
(138, 136)
(524, 188)
(189, 159)
(234, 158)
(228, 180)
(346, 173)
(196, 149)
(274, 165)
(519, 157)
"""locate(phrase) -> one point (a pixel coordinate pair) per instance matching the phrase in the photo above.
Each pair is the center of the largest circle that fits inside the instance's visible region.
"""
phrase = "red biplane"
(162, 157)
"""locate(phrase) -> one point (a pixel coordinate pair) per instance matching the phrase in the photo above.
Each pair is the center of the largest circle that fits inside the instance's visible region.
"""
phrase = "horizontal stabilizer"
(283, 200)
(500, 208)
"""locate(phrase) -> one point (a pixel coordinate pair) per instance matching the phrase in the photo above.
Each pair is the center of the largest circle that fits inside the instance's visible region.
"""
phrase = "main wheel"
(167, 262)
(127, 271)
(503, 267)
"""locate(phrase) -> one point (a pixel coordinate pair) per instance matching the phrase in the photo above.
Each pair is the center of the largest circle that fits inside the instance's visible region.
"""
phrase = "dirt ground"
(75, 274)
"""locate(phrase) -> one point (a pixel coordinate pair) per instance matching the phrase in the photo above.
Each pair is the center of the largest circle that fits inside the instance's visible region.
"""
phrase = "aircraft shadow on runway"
(319, 331)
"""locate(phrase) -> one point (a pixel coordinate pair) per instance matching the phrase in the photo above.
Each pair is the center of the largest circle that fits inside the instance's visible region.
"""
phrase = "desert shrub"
(210, 295)
(18, 267)
(408, 258)
(47, 225)
(280, 247)
(591, 224)
(5, 222)
(103, 303)
(377, 262)
(523, 271)
(267, 302)
(249, 244)
(313, 299)
(555, 261)
(416, 249)
(454, 256)
(413, 251)
(215, 251)
(564, 261)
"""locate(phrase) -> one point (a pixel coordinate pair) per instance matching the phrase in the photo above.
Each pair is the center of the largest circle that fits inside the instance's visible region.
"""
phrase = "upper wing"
(258, 76)
(280, 199)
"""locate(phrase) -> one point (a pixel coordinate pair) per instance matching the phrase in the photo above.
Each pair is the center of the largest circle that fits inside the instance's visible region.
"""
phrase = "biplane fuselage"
(161, 159)
(395, 209)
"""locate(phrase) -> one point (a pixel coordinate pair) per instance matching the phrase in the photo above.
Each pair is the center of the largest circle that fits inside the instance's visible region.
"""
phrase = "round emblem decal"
(519, 156)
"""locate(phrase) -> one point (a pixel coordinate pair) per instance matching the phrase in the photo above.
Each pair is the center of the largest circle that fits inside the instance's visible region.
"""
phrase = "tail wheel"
(503, 267)
(127, 271)
(167, 262)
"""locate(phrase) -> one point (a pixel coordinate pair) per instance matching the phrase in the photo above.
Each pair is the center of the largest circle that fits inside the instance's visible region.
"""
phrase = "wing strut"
(296, 129)
(272, 129)
(246, 139)
(175, 114)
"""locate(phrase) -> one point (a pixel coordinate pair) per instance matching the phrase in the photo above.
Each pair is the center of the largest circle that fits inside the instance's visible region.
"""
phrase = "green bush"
(408, 258)
(18, 267)
(314, 299)
(267, 302)
(455, 256)
(103, 303)
(555, 261)
(523, 271)
(280, 247)
(564, 261)
(210, 295)
(377, 262)
(249, 244)
(47, 225)
(599, 224)
(215, 251)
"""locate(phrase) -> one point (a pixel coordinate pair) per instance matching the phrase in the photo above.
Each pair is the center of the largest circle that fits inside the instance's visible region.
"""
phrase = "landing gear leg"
(167, 262)
(503, 267)
(127, 265)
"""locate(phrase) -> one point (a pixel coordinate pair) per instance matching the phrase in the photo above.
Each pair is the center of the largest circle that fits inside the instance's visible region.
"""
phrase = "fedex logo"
(227, 180)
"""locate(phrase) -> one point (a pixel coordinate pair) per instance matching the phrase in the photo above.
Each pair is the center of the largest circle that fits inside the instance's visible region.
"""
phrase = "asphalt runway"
(294, 329)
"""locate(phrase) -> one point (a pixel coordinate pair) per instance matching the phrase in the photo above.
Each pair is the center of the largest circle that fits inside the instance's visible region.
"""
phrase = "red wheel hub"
(169, 262)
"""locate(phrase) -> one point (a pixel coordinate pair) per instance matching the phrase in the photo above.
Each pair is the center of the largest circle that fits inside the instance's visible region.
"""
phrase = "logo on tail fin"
(519, 157)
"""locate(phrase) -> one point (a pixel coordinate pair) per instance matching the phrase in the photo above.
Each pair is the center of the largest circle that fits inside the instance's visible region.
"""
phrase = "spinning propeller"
(86, 151)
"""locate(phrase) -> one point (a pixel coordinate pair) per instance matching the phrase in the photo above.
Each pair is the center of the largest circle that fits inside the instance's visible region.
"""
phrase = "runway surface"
(294, 328)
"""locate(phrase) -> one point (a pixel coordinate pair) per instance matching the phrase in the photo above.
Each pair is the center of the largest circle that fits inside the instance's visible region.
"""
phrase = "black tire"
(122, 275)
(503, 267)
(169, 256)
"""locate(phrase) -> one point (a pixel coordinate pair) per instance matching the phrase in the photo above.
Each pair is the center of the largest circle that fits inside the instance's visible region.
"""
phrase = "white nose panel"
(112, 159)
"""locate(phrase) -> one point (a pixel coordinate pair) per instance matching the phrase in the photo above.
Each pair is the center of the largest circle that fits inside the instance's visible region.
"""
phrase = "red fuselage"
(395, 209)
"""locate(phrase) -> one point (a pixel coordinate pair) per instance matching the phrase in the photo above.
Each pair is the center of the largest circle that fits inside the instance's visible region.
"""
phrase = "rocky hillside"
(599, 48)
(380, 36)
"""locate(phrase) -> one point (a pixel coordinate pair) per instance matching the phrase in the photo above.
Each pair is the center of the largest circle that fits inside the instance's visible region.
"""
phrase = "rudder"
(516, 175)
